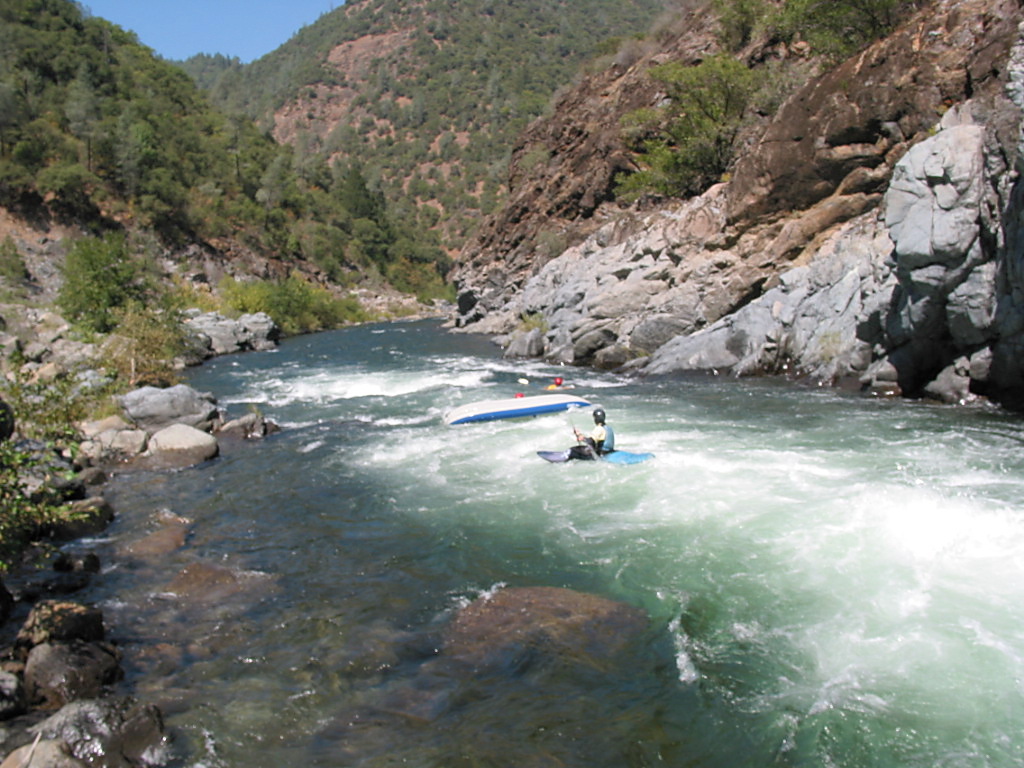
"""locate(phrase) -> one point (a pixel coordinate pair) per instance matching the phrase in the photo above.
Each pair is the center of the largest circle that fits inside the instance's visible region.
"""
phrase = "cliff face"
(869, 234)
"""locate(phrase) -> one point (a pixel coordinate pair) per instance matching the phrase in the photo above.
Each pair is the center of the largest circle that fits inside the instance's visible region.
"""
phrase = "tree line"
(97, 130)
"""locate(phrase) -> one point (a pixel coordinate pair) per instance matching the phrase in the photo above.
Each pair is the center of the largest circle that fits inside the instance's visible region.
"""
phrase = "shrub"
(144, 345)
(838, 28)
(295, 304)
(99, 277)
(12, 265)
(687, 145)
(20, 517)
(47, 410)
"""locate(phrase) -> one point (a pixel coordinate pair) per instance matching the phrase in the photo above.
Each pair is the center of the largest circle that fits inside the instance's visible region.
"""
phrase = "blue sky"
(177, 29)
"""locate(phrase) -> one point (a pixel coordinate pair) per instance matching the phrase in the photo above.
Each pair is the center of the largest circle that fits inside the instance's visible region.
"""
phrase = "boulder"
(220, 335)
(180, 445)
(153, 409)
(43, 753)
(115, 732)
(85, 517)
(13, 701)
(53, 621)
(249, 426)
(525, 344)
(59, 673)
(574, 627)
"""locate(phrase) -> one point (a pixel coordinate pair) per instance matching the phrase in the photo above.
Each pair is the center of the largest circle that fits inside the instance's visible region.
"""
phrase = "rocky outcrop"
(869, 236)
(220, 335)
(62, 664)
(165, 428)
(154, 408)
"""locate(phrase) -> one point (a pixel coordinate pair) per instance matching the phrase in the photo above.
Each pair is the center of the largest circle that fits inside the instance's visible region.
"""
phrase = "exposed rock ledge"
(896, 268)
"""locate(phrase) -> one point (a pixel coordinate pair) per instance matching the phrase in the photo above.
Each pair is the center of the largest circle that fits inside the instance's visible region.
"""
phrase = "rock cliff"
(869, 233)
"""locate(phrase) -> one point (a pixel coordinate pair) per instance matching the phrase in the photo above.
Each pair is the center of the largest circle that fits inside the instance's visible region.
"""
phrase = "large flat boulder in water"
(572, 626)
(153, 408)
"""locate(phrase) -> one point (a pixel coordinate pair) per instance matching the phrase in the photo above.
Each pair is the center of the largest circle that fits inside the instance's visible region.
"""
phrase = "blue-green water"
(831, 580)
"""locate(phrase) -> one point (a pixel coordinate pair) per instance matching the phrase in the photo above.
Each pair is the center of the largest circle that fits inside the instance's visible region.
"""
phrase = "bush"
(12, 265)
(99, 277)
(295, 304)
(839, 28)
(687, 145)
(144, 345)
(20, 517)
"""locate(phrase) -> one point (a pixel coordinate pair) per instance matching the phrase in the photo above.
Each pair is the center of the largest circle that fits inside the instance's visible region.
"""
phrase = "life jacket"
(609, 439)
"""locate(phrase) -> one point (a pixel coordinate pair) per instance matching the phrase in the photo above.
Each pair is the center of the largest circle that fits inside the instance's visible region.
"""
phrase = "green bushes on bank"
(295, 304)
(20, 516)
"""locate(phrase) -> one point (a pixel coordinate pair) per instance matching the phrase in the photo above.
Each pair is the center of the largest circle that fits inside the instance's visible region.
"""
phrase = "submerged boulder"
(562, 624)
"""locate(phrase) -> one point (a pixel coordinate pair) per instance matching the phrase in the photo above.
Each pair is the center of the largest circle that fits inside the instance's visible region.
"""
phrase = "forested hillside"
(431, 94)
(97, 131)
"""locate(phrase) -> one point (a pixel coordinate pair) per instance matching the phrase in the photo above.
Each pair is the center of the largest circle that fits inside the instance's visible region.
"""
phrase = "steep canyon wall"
(870, 235)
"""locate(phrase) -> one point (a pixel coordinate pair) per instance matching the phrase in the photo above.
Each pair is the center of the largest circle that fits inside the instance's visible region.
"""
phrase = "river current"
(831, 580)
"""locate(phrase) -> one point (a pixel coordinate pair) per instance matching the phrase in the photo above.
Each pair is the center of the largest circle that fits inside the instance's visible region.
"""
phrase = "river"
(831, 580)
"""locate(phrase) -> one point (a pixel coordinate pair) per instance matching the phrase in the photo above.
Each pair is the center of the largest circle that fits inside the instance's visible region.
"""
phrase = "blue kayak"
(514, 408)
(615, 457)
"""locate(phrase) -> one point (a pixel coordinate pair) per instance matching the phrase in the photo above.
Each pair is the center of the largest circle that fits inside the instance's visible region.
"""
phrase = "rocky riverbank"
(58, 668)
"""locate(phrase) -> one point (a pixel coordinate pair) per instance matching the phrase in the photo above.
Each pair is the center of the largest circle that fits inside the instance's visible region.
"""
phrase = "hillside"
(429, 95)
(106, 137)
(863, 230)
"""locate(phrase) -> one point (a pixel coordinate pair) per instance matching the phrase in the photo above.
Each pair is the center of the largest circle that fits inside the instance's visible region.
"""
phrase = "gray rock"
(13, 701)
(112, 732)
(525, 344)
(53, 621)
(43, 753)
(152, 408)
(221, 335)
(182, 445)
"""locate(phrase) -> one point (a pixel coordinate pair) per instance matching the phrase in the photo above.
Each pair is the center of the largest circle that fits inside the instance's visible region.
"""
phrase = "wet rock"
(85, 517)
(575, 627)
(60, 621)
(206, 582)
(43, 753)
(169, 537)
(59, 673)
(13, 701)
(250, 426)
(46, 585)
(109, 733)
(66, 562)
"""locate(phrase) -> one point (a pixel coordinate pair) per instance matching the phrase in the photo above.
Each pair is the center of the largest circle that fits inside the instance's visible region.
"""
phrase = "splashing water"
(830, 580)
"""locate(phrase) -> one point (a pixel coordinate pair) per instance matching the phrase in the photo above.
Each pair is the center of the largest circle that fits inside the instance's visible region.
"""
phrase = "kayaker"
(599, 442)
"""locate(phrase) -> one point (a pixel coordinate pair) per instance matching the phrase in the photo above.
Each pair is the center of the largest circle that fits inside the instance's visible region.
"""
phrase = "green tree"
(99, 277)
(82, 110)
(70, 186)
(687, 145)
